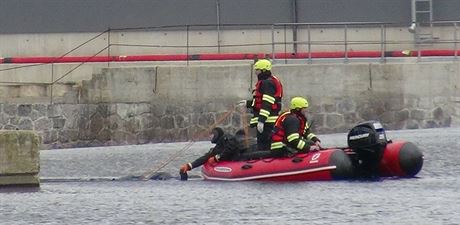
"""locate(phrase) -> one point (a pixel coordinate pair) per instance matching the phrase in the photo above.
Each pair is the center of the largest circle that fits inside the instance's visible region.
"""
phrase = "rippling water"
(432, 198)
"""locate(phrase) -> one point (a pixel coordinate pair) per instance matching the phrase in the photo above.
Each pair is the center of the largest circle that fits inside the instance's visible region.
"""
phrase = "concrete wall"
(19, 158)
(175, 103)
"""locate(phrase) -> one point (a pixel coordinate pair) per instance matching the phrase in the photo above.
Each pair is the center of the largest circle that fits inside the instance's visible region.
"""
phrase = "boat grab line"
(271, 175)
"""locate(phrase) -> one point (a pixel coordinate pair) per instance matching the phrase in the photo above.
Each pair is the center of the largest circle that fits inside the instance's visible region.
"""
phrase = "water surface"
(431, 198)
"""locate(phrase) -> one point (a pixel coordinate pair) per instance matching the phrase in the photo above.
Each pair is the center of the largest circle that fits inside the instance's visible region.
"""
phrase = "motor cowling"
(368, 141)
(368, 134)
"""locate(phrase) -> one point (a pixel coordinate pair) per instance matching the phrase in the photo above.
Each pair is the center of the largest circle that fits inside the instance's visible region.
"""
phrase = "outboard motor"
(368, 141)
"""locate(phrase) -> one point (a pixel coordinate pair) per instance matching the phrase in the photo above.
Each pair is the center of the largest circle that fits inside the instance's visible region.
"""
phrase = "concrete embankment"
(162, 103)
(19, 158)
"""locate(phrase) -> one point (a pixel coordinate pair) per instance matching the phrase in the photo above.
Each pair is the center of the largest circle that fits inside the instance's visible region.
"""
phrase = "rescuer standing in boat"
(292, 133)
(266, 103)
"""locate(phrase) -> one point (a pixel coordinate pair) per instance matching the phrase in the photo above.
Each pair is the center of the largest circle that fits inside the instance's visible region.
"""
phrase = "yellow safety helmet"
(298, 103)
(263, 64)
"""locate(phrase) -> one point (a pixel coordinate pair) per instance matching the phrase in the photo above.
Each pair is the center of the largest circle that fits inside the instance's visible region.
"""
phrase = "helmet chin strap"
(304, 112)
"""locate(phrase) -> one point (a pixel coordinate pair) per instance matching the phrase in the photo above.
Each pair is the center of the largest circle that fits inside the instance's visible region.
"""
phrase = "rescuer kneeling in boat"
(228, 147)
(291, 133)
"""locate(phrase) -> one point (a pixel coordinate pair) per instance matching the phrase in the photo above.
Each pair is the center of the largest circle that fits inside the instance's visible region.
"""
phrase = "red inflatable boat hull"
(399, 158)
(329, 164)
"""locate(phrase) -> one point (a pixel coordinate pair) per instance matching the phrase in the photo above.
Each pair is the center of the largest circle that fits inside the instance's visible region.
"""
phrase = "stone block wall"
(89, 125)
(84, 125)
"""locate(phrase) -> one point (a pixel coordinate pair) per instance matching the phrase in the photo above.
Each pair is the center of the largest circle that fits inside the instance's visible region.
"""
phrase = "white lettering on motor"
(359, 136)
(378, 126)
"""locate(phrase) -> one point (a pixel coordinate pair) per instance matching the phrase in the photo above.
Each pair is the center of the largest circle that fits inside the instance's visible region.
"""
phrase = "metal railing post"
(218, 25)
(382, 43)
(52, 84)
(218, 39)
(108, 47)
(285, 45)
(309, 43)
(187, 48)
(273, 43)
(345, 43)
(455, 41)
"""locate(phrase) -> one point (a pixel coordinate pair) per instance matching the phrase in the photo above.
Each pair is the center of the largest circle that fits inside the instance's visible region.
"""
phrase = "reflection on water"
(432, 198)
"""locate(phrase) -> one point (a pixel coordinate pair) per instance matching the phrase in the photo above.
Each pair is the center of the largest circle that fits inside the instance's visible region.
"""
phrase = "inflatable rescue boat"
(369, 155)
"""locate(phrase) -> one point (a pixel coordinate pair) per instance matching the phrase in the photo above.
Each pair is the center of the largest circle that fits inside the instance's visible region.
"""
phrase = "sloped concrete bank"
(19, 158)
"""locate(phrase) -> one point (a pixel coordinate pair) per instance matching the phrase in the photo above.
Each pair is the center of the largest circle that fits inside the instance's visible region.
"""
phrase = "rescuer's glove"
(260, 127)
(318, 143)
(212, 160)
(184, 168)
(314, 148)
(241, 103)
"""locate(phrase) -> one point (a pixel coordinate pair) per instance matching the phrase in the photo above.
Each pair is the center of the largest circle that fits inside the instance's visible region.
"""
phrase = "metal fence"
(299, 42)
